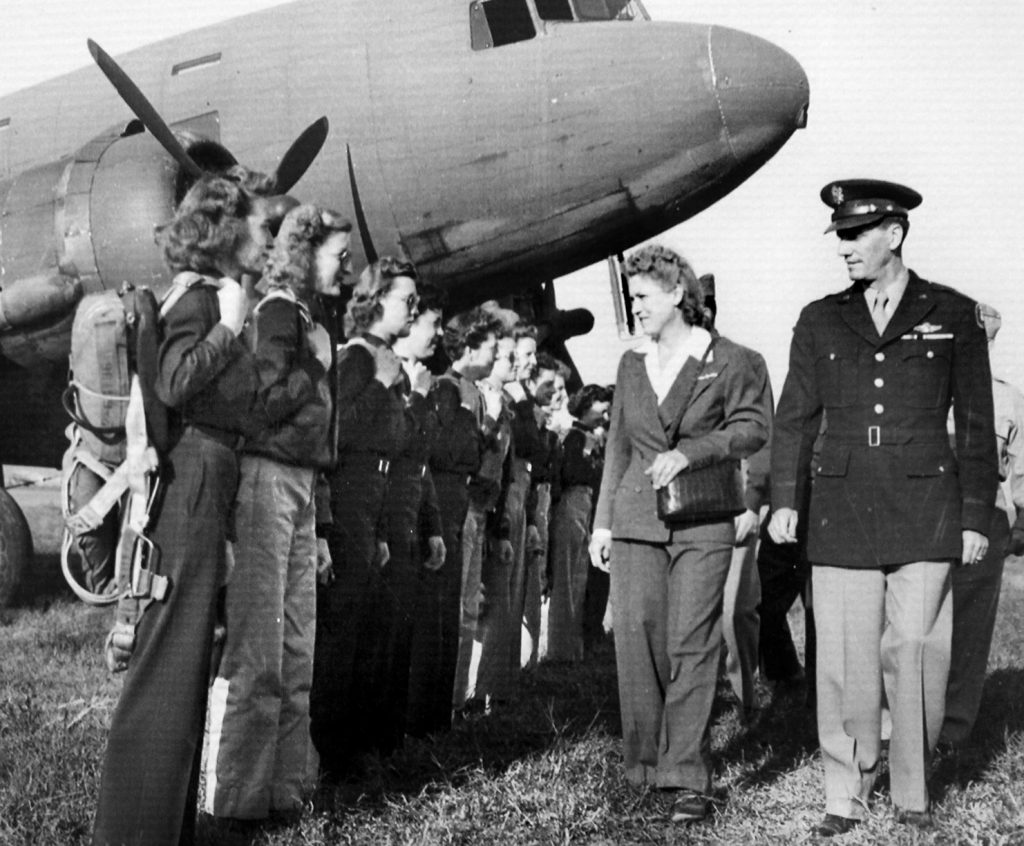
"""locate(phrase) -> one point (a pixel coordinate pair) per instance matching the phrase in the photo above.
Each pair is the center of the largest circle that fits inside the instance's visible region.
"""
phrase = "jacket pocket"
(924, 460)
(836, 373)
(833, 461)
(924, 373)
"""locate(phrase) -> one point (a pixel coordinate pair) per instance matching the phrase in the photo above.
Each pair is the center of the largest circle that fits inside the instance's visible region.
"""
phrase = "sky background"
(923, 92)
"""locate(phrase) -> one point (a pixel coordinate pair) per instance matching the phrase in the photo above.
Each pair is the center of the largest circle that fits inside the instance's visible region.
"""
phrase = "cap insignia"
(837, 194)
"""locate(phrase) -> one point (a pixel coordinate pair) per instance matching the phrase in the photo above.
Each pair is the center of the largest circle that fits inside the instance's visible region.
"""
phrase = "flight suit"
(888, 505)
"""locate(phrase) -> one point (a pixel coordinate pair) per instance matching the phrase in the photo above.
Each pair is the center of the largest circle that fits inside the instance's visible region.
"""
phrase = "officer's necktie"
(878, 311)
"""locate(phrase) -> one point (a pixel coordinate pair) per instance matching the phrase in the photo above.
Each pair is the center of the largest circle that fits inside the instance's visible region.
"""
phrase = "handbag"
(705, 494)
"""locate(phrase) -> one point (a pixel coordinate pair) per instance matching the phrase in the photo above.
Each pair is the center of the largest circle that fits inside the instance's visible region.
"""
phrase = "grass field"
(545, 771)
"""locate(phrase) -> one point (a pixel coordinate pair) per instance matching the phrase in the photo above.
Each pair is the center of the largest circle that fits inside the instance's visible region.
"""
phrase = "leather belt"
(874, 436)
(375, 461)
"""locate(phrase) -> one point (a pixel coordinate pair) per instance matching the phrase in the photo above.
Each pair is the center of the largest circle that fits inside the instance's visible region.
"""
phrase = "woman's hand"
(233, 303)
(666, 466)
(601, 549)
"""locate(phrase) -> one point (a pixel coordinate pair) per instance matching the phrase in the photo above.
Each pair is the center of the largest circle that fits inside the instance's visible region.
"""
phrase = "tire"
(15, 547)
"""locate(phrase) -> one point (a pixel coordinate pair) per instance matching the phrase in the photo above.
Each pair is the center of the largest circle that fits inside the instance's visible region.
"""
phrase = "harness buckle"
(874, 436)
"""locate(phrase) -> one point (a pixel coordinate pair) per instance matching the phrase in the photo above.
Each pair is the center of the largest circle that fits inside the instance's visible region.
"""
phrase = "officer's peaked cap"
(861, 202)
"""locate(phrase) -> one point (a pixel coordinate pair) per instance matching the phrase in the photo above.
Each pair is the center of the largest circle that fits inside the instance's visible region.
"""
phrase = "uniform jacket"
(293, 408)
(205, 374)
(887, 488)
(728, 417)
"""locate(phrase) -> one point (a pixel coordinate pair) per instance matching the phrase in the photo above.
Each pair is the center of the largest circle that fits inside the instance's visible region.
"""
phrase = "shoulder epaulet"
(946, 289)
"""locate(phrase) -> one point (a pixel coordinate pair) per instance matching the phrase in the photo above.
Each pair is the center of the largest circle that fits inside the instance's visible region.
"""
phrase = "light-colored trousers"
(741, 624)
(667, 607)
(533, 635)
(878, 627)
(259, 705)
(467, 667)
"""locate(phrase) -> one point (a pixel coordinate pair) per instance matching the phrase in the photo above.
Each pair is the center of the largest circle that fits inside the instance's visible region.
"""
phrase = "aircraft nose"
(762, 91)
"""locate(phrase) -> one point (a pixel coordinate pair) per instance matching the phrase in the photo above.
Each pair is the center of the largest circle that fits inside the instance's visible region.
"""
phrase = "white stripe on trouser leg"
(218, 705)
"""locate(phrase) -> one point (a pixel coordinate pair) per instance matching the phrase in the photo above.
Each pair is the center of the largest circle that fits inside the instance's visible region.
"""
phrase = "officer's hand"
(437, 553)
(975, 547)
(666, 466)
(320, 345)
(601, 549)
(782, 526)
(747, 525)
(234, 305)
(324, 563)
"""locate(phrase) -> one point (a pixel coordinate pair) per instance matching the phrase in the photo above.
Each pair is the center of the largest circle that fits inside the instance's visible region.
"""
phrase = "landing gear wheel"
(15, 546)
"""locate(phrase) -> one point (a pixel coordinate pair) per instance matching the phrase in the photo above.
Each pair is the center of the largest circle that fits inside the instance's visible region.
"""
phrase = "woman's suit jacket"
(729, 416)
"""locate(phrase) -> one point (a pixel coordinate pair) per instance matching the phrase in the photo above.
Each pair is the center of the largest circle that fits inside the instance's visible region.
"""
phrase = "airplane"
(498, 144)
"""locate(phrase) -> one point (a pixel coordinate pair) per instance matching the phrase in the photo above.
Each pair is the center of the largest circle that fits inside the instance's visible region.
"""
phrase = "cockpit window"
(555, 10)
(588, 10)
(495, 23)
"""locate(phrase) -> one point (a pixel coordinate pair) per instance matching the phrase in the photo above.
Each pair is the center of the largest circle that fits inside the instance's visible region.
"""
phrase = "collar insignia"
(927, 327)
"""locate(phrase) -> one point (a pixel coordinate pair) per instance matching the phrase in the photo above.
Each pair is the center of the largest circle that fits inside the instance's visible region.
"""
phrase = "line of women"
(389, 527)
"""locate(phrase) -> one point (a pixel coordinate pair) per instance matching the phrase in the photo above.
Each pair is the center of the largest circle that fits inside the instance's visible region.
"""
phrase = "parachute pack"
(106, 557)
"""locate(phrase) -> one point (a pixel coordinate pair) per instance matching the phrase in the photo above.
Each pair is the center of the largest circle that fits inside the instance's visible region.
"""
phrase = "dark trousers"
(399, 605)
(785, 575)
(343, 714)
(975, 602)
(151, 769)
(435, 637)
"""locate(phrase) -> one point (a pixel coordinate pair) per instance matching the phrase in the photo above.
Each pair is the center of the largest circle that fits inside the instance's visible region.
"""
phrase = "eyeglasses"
(410, 301)
(344, 256)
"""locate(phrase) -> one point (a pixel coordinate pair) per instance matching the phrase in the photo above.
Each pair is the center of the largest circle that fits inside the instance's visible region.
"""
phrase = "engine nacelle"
(77, 225)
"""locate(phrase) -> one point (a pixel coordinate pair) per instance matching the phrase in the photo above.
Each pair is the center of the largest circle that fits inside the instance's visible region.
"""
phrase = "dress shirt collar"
(662, 378)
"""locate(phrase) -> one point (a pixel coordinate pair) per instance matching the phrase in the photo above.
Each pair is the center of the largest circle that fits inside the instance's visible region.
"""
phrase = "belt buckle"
(383, 465)
(874, 436)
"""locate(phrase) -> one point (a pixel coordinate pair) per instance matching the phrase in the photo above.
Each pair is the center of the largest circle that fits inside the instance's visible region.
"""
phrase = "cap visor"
(854, 221)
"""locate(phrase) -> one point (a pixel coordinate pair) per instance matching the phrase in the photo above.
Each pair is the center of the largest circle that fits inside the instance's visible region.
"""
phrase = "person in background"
(580, 477)
(259, 708)
(891, 506)
(347, 723)
(454, 459)
(976, 588)
(740, 621)
(206, 376)
(504, 565)
(667, 579)
(414, 530)
(471, 343)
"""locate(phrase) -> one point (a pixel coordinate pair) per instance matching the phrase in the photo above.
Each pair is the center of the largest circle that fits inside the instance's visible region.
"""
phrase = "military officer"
(891, 506)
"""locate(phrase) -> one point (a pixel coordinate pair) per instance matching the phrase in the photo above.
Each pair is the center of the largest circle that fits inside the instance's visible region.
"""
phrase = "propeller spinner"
(294, 163)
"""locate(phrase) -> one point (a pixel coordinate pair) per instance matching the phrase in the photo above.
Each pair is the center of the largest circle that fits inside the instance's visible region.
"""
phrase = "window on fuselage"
(495, 23)
(554, 10)
(600, 10)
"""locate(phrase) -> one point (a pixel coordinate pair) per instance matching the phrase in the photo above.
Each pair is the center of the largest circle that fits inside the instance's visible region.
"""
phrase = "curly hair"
(375, 282)
(550, 364)
(507, 319)
(669, 269)
(292, 261)
(432, 298)
(581, 401)
(523, 329)
(468, 330)
(209, 224)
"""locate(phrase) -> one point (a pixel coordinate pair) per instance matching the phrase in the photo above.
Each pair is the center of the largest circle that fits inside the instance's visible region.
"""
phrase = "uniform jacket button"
(879, 408)
(879, 356)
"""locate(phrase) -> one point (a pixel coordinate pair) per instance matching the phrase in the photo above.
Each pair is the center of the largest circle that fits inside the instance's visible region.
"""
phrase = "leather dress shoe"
(834, 825)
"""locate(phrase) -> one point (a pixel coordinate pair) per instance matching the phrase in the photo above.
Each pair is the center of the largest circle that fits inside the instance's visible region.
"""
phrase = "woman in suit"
(667, 580)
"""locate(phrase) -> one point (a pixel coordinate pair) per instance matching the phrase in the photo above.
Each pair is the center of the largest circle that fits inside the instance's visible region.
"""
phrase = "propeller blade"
(143, 109)
(297, 159)
(364, 230)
